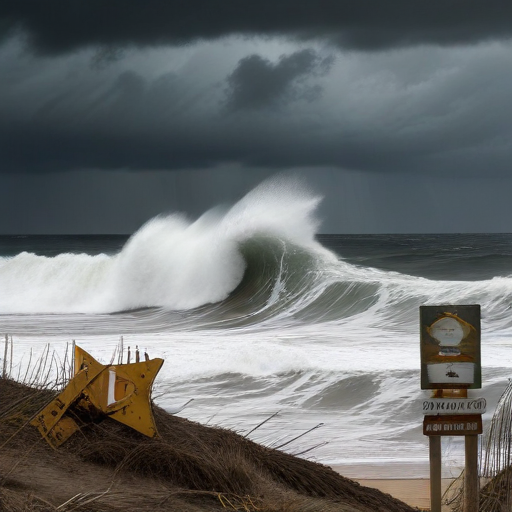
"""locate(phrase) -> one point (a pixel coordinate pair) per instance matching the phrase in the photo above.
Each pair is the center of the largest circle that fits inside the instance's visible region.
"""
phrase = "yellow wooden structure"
(123, 392)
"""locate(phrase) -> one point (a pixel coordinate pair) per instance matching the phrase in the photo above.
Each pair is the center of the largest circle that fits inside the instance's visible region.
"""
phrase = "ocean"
(302, 341)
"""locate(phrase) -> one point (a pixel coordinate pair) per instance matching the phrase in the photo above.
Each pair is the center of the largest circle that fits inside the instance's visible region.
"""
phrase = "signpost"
(450, 365)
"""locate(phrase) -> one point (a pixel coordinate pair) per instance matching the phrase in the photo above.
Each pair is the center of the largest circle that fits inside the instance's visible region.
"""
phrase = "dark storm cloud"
(59, 26)
(258, 83)
(125, 120)
(415, 110)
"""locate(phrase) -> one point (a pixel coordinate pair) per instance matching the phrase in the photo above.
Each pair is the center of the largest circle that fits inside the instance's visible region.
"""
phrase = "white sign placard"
(434, 406)
(453, 373)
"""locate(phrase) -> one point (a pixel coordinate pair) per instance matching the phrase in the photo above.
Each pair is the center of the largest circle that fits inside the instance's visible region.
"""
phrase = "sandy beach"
(395, 479)
(414, 492)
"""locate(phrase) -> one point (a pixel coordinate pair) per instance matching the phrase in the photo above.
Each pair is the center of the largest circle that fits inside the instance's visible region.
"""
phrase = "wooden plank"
(471, 481)
(452, 425)
(451, 406)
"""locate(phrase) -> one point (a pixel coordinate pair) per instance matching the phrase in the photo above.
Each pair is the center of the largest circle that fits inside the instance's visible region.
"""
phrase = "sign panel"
(450, 347)
(454, 406)
(452, 425)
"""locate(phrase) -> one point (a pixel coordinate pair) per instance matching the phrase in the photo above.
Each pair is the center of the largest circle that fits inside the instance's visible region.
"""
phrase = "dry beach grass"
(190, 468)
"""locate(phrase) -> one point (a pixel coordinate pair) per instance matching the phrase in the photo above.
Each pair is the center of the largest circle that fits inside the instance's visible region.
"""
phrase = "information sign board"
(450, 347)
(454, 406)
(455, 425)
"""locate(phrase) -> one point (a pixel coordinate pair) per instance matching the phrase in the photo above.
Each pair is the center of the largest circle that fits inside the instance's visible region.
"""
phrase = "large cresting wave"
(256, 262)
(170, 262)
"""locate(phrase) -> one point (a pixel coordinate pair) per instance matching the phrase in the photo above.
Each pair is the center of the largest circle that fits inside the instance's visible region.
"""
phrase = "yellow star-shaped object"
(122, 392)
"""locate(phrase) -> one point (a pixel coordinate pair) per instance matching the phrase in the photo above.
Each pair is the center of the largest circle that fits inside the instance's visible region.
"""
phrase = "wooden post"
(72, 369)
(10, 362)
(435, 473)
(471, 481)
(4, 370)
(121, 350)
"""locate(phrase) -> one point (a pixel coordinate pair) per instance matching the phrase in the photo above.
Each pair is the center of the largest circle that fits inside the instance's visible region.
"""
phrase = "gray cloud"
(258, 83)
(57, 26)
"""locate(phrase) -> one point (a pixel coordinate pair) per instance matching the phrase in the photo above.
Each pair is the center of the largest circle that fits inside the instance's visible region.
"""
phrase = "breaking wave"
(253, 263)
(170, 262)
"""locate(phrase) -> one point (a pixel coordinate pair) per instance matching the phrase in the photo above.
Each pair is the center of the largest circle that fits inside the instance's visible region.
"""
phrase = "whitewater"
(256, 315)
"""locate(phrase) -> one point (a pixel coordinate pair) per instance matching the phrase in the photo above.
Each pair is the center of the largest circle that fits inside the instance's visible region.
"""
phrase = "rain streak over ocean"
(255, 313)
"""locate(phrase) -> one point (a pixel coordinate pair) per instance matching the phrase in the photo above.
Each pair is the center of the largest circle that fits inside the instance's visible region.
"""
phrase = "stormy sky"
(398, 113)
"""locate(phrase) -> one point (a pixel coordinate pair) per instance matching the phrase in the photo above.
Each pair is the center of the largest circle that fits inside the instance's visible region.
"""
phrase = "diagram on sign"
(450, 373)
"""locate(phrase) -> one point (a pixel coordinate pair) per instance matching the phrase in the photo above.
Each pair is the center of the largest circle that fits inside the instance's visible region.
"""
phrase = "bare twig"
(262, 423)
(299, 436)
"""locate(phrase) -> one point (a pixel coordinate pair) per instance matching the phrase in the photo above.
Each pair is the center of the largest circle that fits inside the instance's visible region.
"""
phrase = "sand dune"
(108, 467)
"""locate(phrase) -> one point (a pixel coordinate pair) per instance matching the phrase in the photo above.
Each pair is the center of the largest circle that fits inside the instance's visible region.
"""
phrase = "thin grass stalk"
(113, 355)
(72, 366)
(299, 436)
(28, 366)
(38, 364)
(262, 423)
(496, 463)
(323, 443)
(46, 380)
(38, 380)
(60, 371)
(57, 386)
(64, 364)
(43, 383)
(19, 370)
(121, 350)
